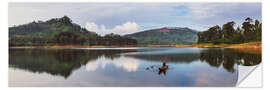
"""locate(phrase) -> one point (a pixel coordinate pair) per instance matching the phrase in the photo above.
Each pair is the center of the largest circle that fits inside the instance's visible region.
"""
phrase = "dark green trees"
(238, 36)
(228, 30)
(61, 31)
(248, 29)
(258, 30)
(68, 38)
(228, 34)
(114, 39)
(211, 35)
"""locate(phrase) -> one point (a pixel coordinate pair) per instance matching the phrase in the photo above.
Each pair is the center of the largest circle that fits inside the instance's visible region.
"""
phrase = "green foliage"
(213, 34)
(228, 30)
(248, 33)
(60, 31)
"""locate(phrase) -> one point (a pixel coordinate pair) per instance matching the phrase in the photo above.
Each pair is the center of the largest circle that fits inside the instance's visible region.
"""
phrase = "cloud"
(223, 12)
(146, 15)
(125, 28)
(202, 11)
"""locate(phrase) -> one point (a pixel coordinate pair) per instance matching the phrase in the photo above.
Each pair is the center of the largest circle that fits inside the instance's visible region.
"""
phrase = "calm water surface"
(127, 66)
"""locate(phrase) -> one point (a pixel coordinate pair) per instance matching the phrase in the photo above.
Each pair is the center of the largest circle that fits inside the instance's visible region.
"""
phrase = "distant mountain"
(166, 35)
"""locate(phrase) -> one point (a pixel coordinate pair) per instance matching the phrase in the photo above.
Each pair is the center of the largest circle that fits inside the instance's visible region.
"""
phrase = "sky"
(126, 18)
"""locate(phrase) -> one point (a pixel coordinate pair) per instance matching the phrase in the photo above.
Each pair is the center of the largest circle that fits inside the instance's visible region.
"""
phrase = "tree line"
(70, 38)
(251, 31)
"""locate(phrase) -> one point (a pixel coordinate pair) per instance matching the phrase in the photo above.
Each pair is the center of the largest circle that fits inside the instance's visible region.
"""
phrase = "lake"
(140, 66)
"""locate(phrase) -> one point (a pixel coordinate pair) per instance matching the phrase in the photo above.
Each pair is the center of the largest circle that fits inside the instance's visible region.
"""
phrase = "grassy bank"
(255, 45)
(251, 45)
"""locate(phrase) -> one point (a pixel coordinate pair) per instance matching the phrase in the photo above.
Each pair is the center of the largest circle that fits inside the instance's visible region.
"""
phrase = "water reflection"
(57, 61)
(179, 66)
(128, 64)
(228, 58)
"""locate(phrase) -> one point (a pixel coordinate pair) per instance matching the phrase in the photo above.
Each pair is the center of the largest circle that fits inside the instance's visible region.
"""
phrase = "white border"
(252, 78)
(3, 44)
(170, 1)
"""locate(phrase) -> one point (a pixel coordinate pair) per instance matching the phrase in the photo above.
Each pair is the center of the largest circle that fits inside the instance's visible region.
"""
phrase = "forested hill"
(48, 28)
(165, 36)
(60, 31)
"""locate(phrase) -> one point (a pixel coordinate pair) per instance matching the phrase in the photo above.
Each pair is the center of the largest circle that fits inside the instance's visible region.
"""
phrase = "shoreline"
(252, 45)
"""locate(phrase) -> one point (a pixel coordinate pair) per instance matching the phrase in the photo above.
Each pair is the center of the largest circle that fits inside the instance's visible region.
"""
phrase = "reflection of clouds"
(213, 77)
(203, 79)
(128, 64)
(93, 65)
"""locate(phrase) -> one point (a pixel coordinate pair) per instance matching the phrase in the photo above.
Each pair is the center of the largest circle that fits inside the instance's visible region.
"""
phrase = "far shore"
(245, 46)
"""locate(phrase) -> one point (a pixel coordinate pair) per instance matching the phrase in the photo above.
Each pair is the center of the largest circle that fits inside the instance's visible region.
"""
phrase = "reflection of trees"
(56, 61)
(215, 56)
(228, 58)
(63, 61)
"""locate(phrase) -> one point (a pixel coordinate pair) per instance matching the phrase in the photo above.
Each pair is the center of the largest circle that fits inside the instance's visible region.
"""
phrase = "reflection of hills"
(229, 57)
(63, 61)
(177, 57)
(56, 61)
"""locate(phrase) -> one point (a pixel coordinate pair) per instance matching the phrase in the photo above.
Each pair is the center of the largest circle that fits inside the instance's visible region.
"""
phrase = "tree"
(258, 30)
(238, 36)
(228, 30)
(215, 33)
(212, 34)
(247, 26)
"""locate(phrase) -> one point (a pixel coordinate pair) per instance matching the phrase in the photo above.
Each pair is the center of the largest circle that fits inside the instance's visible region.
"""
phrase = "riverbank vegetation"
(228, 34)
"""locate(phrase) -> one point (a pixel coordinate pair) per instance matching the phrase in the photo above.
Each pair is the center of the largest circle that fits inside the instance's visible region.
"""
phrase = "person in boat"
(163, 68)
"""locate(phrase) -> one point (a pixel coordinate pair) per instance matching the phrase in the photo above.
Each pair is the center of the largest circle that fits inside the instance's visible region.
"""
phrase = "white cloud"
(208, 11)
(202, 11)
(112, 15)
(126, 28)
